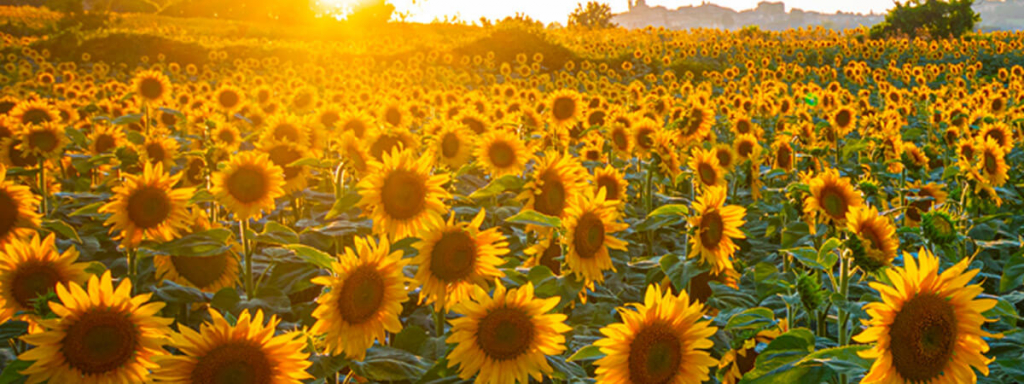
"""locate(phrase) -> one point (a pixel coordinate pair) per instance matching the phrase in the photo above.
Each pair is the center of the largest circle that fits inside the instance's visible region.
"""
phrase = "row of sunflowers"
(655, 207)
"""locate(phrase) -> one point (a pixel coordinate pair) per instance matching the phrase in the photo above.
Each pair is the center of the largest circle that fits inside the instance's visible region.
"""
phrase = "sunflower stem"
(133, 268)
(438, 322)
(243, 227)
(42, 187)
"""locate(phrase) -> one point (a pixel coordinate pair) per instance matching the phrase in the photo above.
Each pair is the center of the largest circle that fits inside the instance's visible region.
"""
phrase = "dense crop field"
(189, 200)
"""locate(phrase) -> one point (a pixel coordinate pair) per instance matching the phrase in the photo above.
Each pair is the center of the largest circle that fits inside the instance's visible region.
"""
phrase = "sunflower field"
(207, 201)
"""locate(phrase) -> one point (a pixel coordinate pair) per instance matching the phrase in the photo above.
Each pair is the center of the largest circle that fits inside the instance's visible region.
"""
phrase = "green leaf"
(590, 352)
(91, 209)
(128, 119)
(389, 364)
(96, 268)
(806, 256)
(77, 137)
(343, 204)
(226, 299)
(63, 229)
(565, 370)
(269, 299)
(753, 318)
(670, 210)
(775, 362)
(534, 218)
(12, 372)
(410, 339)
(305, 161)
(680, 271)
(276, 233)
(200, 244)
(842, 360)
(312, 255)
(171, 292)
(1013, 273)
(826, 257)
(201, 196)
(498, 186)
(12, 329)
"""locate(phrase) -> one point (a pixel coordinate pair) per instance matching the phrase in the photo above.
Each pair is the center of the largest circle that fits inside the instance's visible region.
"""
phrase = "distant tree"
(928, 18)
(66, 6)
(594, 15)
(372, 12)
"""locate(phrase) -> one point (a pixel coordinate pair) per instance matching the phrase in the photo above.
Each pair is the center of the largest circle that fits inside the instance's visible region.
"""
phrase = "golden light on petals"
(147, 206)
(401, 196)
(455, 257)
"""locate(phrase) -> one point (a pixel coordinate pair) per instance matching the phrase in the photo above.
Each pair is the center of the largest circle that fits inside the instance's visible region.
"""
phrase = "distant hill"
(995, 15)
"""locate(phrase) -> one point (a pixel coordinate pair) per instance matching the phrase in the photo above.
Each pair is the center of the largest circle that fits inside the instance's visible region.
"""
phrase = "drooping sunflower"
(151, 86)
(664, 341)
(101, 335)
(455, 257)
(29, 267)
(105, 138)
(365, 298)
(706, 169)
(29, 112)
(505, 339)
(589, 226)
(246, 352)
(565, 107)
(874, 242)
(45, 140)
(716, 224)
(248, 185)
(501, 153)
(207, 273)
(696, 124)
(925, 196)
(547, 251)
(557, 181)
(831, 197)
(453, 146)
(927, 328)
(354, 154)
(612, 181)
(147, 206)
(19, 209)
(159, 148)
(991, 166)
(401, 196)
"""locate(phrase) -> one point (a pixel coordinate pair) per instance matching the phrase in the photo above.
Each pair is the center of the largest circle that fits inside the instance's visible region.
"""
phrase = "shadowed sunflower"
(246, 352)
(31, 112)
(716, 224)
(248, 185)
(706, 169)
(663, 341)
(45, 140)
(589, 226)
(401, 196)
(991, 167)
(783, 153)
(726, 156)
(874, 243)
(927, 328)
(741, 357)
(557, 181)
(282, 154)
(455, 257)
(365, 298)
(207, 273)
(151, 86)
(506, 338)
(106, 138)
(147, 206)
(612, 181)
(101, 335)
(354, 154)
(924, 197)
(501, 153)
(19, 209)
(696, 124)
(31, 267)
(831, 197)
(546, 252)
(565, 107)
(643, 135)
(453, 145)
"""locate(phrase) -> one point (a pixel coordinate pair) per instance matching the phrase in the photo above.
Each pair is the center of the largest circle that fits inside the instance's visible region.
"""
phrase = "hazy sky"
(557, 10)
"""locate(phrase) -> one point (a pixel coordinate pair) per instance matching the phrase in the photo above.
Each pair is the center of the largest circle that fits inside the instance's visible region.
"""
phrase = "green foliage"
(594, 15)
(929, 18)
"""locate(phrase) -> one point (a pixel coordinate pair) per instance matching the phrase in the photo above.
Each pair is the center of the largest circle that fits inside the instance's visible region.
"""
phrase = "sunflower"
(227, 136)
(621, 140)
(506, 338)
(248, 185)
(547, 251)
(556, 183)
(747, 147)
(565, 107)
(716, 224)
(106, 138)
(455, 257)
(30, 112)
(991, 167)
(589, 226)
(101, 335)
(151, 86)
(365, 297)
(612, 181)
(783, 153)
(207, 273)
(927, 328)
(356, 122)
(394, 114)
(966, 152)
(874, 242)
(19, 209)
(29, 267)
(831, 197)
(502, 153)
(696, 124)
(229, 99)
(453, 145)
(642, 134)
(401, 195)
(147, 206)
(159, 148)
(287, 128)
(663, 341)
(925, 196)
(244, 351)
(45, 140)
(354, 156)
(1000, 132)
(741, 357)
(843, 120)
(283, 154)
(705, 166)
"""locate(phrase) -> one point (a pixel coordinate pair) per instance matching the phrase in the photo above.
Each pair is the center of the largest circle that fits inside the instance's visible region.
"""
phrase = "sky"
(558, 10)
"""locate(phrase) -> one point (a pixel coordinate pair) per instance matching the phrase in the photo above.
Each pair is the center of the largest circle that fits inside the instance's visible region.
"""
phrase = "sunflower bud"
(939, 227)
(810, 292)
(865, 256)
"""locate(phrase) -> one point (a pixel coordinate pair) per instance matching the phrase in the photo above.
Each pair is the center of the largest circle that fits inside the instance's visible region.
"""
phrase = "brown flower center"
(924, 335)
(31, 280)
(403, 194)
(361, 295)
(588, 237)
(99, 341)
(505, 333)
(453, 257)
(148, 207)
(247, 184)
(236, 362)
(655, 355)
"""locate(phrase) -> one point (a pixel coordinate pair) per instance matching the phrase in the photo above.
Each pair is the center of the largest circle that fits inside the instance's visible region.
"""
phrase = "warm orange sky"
(558, 10)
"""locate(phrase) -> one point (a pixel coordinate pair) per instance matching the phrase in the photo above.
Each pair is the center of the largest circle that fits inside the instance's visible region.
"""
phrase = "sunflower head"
(502, 152)
(706, 168)
(401, 195)
(874, 240)
(589, 226)
(30, 267)
(939, 227)
(832, 197)
(716, 224)
(19, 208)
(248, 185)
(45, 140)
(147, 206)
(453, 145)
(565, 107)
(151, 86)
(455, 257)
